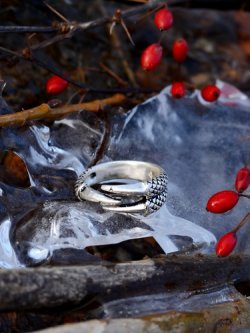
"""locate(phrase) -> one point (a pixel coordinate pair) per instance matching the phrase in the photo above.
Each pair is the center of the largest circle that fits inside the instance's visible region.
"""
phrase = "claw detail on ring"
(124, 186)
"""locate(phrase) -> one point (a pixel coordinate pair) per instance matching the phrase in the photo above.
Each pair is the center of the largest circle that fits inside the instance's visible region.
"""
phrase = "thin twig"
(117, 45)
(123, 24)
(242, 222)
(56, 12)
(48, 42)
(143, 17)
(24, 29)
(114, 75)
(100, 151)
(44, 111)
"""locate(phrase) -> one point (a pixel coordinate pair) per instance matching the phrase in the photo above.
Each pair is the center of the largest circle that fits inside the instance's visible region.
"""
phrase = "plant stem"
(242, 222)
(79, 26)
(44, 111)
(244, 195)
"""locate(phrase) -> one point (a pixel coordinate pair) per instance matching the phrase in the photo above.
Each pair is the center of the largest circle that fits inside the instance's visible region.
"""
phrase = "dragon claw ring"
(124, 186)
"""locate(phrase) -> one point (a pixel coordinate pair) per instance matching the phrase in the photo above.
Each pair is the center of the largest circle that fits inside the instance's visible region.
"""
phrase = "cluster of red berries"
(150, 59)
(152, 55)
(223, 201)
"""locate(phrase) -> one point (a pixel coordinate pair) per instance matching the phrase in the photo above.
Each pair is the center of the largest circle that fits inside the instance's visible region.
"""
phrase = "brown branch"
(44, 111)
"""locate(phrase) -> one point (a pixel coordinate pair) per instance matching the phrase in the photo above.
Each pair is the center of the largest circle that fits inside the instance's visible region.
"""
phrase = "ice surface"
(200, 146)
(142, 305)
(81, 224)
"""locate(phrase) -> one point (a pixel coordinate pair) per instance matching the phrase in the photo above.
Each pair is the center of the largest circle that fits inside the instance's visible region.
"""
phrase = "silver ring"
(124, 186)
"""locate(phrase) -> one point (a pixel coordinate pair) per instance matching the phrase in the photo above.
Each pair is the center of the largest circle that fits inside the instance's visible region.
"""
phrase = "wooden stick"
(44, 111)
(47, 287)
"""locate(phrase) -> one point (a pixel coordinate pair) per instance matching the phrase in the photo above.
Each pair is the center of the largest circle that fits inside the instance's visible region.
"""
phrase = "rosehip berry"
(226, 244)
(55, 85)
(151, 56)
(242, 180)
(210, 93)
(163, 19)
(180, 50)
(178, 89)
(222, 201)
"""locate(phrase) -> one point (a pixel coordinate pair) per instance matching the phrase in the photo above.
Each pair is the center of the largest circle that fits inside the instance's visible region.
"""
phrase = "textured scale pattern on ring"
(157, 193)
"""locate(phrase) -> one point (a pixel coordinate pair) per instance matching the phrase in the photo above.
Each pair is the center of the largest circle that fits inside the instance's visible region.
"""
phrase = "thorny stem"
(242, 222)
(77, 26)
(67, 30)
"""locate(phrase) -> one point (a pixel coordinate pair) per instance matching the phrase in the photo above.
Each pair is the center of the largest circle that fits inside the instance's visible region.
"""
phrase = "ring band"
(124, 186)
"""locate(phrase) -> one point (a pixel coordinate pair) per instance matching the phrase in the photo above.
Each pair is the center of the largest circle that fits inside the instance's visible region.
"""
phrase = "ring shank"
(137, 170)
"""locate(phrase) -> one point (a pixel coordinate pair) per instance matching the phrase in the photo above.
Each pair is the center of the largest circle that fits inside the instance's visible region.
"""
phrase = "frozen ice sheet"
(200, 146)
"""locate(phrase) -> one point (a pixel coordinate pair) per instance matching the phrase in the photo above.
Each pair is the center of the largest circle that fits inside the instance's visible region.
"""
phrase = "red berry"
(178, 89)
(242, 180)
(180, 50)
(222, 201)
(226, 244)
(210, 93)
(163, 19)
(151, 56)
(55, 85)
